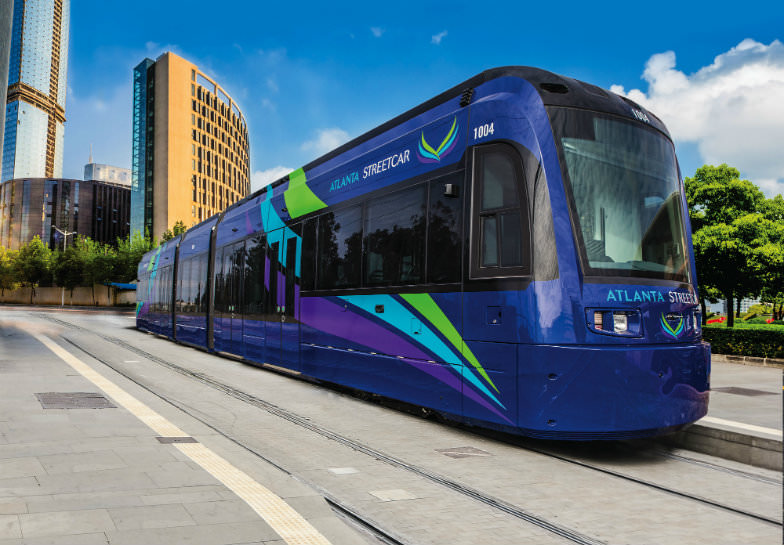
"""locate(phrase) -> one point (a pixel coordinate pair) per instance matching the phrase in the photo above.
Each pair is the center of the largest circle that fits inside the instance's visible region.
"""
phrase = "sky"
(309, 76)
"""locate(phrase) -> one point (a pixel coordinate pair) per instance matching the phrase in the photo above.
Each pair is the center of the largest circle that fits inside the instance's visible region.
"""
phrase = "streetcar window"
(203, 271)
(308, 272)
(395, 227)
(340, 248)
(501, 244)
(625, 195)
(445, 230)
(254, 276)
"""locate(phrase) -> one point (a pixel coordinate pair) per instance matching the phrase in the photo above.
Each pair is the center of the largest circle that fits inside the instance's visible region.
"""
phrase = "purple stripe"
(330, 318)
(266, 272)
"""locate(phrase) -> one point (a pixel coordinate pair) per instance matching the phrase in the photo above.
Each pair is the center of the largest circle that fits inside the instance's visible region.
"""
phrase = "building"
(6, 18)
(41, 206)
(35, 111)
(107, 173)
(190, 146)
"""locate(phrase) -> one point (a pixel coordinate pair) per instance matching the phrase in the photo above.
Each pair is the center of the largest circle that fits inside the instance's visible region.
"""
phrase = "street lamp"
(65, 233)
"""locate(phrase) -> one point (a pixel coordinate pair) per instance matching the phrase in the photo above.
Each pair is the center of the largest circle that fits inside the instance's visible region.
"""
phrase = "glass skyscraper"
(35, 109)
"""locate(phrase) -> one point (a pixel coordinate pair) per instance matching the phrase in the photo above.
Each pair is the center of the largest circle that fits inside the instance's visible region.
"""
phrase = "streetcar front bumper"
(611, 392)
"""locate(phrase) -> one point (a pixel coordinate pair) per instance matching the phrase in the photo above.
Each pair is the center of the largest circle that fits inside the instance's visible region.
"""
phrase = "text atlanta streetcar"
(513, 253)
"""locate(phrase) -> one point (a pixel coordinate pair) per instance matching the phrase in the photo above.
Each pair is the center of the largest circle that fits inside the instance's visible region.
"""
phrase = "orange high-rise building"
(190, 146)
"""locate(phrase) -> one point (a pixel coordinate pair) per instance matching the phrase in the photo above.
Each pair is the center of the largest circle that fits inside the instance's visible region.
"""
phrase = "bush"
(759, 340)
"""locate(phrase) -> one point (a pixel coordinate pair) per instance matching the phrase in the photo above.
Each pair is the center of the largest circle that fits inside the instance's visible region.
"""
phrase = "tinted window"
(254, 276)
(395, 231)
(340, 248)
(308, 271)
(501, 245)
(445, 230)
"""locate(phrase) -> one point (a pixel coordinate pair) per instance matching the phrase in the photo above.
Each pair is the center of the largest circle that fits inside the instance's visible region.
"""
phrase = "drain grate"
(749, 392)
(170, 440)
(462, 452)
(74, 400)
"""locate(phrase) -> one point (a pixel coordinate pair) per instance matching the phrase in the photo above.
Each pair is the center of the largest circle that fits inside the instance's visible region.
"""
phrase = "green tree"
(7, 272)
(33, 264)
(717, 195)
(68, 266)
(737, 235)
(129, 253)
(177, 229)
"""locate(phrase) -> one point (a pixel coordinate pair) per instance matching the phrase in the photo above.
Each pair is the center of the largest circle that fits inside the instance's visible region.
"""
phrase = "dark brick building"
(35, 206)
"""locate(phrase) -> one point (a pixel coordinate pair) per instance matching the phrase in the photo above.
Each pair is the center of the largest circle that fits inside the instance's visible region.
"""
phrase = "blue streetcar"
(513, 253)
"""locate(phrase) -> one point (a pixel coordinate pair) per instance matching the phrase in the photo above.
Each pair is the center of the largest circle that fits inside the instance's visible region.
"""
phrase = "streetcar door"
(289, 314)
(221, 305)
(256, 280)
(273, 344)
(236, 306)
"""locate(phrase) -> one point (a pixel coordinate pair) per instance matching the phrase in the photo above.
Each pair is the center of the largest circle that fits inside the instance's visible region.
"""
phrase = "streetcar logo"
(427, 154)
(672, 324)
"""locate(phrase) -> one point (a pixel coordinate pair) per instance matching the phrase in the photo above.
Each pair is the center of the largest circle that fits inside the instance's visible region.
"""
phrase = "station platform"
(744, 420)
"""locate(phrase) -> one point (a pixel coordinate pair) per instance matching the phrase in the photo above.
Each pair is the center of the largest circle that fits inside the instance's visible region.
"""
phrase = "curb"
(747, 449)
(749, 360)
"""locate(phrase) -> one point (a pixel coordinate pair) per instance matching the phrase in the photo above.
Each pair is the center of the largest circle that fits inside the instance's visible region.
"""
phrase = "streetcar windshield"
(622, 178)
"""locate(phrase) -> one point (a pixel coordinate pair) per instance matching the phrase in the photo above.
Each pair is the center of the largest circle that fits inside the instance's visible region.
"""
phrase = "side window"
(308, 272)
(445, 230)
(254, 276)
(500, 240)
(395, 227)
(340, 248)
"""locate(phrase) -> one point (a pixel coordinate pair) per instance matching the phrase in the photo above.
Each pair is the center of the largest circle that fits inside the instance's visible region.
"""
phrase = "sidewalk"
(744, 421)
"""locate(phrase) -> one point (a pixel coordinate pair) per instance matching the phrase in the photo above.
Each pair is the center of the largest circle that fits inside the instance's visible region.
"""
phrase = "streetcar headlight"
(620, 322)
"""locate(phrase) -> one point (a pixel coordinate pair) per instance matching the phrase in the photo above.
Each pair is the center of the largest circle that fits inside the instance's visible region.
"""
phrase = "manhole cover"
(742, 391)
(74, 400)
(462, 452)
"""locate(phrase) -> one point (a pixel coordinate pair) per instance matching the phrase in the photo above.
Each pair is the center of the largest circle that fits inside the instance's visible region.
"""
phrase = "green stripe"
(425, 305)
(300, 199)
(446, 138)
(427, 146)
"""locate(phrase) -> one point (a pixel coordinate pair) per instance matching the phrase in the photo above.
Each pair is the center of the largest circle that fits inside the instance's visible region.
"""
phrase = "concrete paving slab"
(65, 523)
(223, 511)
(210, 534)
(20, 467)
(151, 516)
(10, 527)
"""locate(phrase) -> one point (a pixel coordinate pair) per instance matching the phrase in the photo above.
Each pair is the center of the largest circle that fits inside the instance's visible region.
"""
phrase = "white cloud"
(261, 178)
(268, 105)
(326, 140)
(272, 85)
(436, 38)
(732, 109)
(377, 31)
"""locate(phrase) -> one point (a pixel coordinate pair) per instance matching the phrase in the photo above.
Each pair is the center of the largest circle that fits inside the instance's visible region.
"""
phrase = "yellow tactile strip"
(288, 524)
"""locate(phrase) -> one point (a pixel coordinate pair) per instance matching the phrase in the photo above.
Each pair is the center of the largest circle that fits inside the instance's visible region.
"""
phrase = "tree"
(32, 265)
(129, 253)
(177, 229)
(718, 195)
(733, 233)
(68, 267)
(7, 274)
